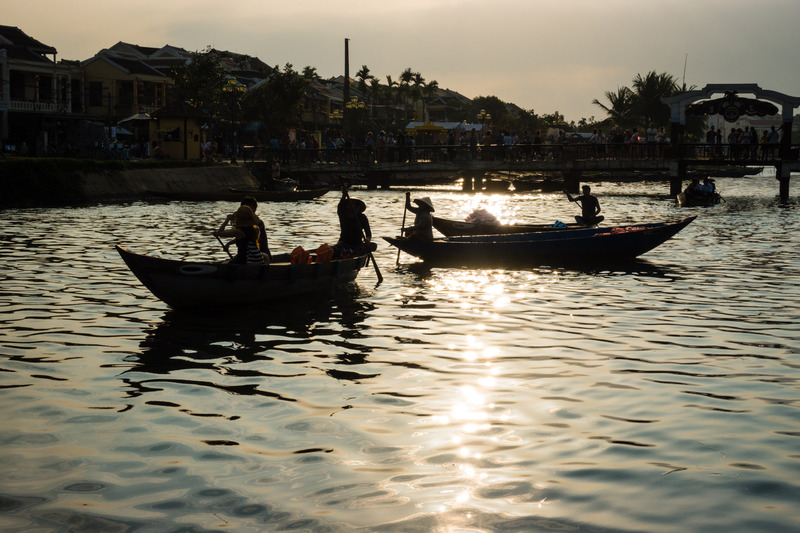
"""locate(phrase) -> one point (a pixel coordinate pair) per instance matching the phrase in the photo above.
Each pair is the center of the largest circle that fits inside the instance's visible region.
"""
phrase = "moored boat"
(205, 284)
(235, 195)
(453, 228)
(576, 246)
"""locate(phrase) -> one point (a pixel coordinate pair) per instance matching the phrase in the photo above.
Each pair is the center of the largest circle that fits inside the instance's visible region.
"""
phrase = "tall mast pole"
(346, 93)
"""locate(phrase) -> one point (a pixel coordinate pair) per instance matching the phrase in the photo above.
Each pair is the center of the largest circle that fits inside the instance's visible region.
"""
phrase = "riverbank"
(30, 182)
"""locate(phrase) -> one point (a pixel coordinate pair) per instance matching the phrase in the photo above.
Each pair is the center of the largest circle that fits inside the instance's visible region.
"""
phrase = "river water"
(659, 397)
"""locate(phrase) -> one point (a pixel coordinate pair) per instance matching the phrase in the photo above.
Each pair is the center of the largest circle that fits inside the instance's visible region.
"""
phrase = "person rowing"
(355, 237)
(590, 207)
(246, 233)
(423, 219)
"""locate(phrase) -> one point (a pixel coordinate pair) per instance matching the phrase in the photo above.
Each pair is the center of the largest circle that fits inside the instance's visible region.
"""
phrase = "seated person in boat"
(590, 207)
(707, 186)
(263, 244)
(693, 189)
(422, 229)
(246, 234)
(482, 216)
(355, 235)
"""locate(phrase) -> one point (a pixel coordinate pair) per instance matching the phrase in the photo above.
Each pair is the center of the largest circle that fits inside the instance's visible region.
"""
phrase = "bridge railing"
(366, 157)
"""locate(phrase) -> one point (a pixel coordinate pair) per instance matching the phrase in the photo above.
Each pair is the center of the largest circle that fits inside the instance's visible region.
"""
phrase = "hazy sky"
(542, 55)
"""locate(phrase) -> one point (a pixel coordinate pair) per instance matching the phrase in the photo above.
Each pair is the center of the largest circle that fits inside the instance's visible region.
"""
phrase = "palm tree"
(364, 77)
(429, 91)
(620, 108)
(416, 92)
(310, 72)
(374, 95)
(404, 86)
(648, 93)
(390, 91)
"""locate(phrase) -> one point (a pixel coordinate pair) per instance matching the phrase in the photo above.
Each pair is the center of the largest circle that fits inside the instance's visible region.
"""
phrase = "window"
(95, 93)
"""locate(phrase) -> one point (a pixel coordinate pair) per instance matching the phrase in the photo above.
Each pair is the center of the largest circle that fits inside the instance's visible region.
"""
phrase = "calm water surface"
(662, 397)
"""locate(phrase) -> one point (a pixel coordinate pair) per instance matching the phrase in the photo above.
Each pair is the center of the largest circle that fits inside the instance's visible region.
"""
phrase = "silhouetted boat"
(201, 284)
(235, 195)
(700, 199)
(577, 246)
(453, 228)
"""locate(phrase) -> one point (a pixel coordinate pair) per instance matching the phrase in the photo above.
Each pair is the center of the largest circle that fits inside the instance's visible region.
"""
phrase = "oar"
(364, 236)
(223, 246)
(397, 263)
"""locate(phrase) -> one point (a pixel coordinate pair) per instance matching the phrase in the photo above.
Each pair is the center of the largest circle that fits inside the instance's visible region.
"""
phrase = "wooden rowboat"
(703, 199)
(577, 246)
(453, 228)
(197, 284)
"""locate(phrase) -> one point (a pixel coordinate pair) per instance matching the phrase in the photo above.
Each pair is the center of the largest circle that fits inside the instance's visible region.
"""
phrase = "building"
(39, 97)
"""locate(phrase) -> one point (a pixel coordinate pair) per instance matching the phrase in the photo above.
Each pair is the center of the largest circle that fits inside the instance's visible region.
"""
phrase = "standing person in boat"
(355, 237)
(590, 207)
(422, 229)
(246, 233)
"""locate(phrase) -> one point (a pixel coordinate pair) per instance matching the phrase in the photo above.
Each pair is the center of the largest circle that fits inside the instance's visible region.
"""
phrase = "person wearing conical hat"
(423, 220)
(355, 236)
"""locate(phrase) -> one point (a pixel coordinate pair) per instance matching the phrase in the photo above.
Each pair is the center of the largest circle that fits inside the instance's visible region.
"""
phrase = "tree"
(648, 93)
(364, 77)
(492, 105)
(199, 82)
(620, 110)
(278, 102)
(429, 93)
(556, 120)
(404, 88)
(310, 73)
(374, 95)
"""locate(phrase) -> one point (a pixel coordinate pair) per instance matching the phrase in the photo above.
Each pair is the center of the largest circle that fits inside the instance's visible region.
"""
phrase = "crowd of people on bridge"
(405, 146)
(743, 144)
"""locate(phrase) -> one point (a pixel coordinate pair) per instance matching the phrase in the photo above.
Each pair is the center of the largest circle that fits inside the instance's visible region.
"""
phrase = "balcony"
(33, 107)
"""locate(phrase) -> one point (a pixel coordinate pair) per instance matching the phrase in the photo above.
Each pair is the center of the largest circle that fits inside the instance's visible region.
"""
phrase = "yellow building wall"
(173, 133)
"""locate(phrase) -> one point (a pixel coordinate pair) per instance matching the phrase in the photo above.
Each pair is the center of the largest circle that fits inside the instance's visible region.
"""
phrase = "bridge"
(557, 165)
(671, 161)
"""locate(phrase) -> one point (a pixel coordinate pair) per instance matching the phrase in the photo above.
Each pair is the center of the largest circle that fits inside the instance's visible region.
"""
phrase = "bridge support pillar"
(783, 173)
(468, 185)
(677, 173)
(377, 179)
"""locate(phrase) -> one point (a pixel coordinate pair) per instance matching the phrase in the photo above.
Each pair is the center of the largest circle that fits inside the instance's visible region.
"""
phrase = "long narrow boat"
(235, 195)
(454, 228)
(577, 246)
(198, 284)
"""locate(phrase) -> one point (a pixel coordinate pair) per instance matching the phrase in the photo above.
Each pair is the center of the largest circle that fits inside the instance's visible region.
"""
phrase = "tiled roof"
(11, 35)
(134, 66)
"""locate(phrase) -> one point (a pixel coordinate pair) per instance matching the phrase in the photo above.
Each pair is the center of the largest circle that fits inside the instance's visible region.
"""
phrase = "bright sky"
(542, 55)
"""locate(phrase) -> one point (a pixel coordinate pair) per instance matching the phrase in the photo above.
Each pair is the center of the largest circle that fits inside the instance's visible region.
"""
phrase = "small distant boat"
(590, 246)
(701, 199)
(279, 195)
(454, 228)
(235, 195)
(496, 185)
(182, 284)
(735, 172)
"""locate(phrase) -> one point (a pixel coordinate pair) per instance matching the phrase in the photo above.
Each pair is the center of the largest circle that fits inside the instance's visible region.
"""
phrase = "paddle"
(397, 262)
(363, 236)
(224, 247)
